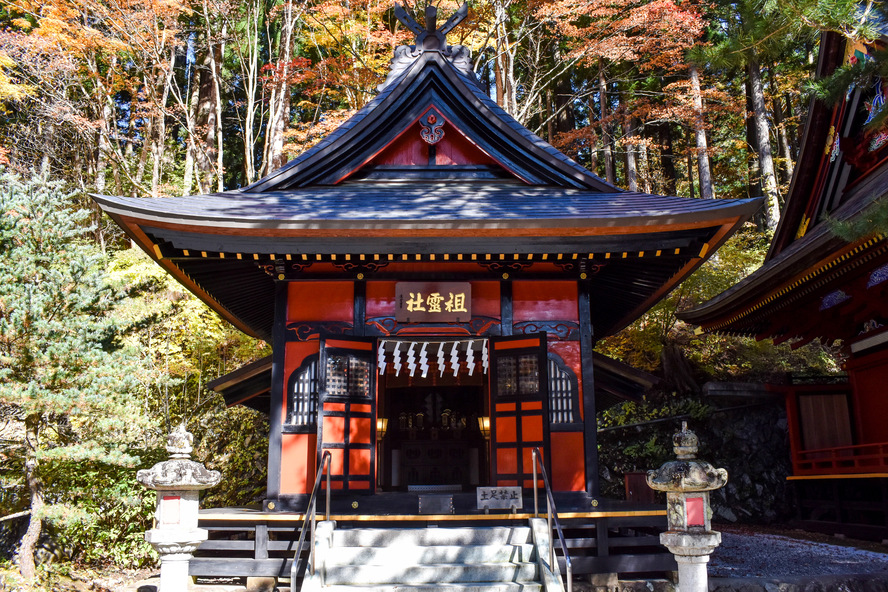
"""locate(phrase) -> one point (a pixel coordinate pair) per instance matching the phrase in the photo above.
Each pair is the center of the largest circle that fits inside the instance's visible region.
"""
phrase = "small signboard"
(436, 504)
(433, 302)
(500, 498)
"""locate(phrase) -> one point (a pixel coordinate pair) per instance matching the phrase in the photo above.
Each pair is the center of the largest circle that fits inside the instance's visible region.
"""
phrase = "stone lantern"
(178, 482)
(687, 482)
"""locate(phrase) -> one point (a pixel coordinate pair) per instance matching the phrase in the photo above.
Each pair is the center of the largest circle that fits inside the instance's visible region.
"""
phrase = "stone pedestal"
(178, 482)
(691, 553)
(176, 549)
(687, 483)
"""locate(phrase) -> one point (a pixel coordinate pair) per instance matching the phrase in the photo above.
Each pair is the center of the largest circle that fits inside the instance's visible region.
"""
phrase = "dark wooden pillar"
(278, 359)
(590, 425)
(360, 312)
(506, 308)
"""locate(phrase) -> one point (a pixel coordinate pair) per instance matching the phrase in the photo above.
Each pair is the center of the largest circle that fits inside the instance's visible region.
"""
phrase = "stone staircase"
(488, 559)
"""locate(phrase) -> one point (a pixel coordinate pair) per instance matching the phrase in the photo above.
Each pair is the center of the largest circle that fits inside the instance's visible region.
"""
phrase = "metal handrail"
(311, 510)
(551, 515)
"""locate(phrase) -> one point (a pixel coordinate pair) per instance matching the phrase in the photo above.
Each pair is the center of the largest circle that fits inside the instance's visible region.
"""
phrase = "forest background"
(101, 353)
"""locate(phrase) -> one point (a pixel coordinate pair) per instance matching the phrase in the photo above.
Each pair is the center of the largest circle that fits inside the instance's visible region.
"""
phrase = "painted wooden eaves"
(808, 267)
(431, 81)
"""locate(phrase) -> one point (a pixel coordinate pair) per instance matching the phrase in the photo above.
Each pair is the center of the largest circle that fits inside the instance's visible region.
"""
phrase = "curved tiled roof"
(432, 80)
(331, 205)
(401, 205)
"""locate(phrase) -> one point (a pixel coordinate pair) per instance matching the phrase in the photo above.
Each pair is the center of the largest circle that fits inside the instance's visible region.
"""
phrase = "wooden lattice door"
(518, 407)
(347, 413)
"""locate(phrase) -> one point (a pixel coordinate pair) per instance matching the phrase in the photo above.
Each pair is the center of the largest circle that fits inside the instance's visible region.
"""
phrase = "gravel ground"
(762, 554)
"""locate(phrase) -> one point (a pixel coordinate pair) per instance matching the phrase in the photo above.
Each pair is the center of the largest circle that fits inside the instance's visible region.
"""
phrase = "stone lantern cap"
(687, 474)
(179, 472)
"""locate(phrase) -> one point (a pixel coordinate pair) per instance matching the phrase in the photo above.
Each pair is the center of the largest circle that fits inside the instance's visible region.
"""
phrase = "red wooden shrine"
(836, 292)
(433, 278)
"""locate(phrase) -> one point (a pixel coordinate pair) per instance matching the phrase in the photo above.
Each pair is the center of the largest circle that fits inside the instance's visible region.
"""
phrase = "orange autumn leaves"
(649, 34)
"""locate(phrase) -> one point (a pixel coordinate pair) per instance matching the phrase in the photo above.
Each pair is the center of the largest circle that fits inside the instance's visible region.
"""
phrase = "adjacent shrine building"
(815, 285)
(432, 277)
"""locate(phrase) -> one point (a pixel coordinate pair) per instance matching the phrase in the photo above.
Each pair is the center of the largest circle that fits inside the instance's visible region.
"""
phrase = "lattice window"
(304, 388)
(507, 376)
(564, 396)
(518, 375)
(347, 376)
(528, 374)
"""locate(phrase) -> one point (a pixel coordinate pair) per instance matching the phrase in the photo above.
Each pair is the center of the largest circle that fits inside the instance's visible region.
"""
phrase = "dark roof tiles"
(398, 202)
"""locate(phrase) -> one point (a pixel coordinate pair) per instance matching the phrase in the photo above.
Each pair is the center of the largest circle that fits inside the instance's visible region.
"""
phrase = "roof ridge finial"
(431, 18)
(430, 38)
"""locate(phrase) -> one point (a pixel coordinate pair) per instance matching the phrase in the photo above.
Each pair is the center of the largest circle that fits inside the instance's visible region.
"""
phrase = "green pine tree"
(65, 378)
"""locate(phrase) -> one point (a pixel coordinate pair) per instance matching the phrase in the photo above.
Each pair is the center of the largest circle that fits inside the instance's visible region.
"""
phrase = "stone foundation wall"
(746, 437)
(753, 445)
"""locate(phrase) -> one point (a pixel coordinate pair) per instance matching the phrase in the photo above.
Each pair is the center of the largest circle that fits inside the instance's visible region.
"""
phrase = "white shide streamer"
(413, 354)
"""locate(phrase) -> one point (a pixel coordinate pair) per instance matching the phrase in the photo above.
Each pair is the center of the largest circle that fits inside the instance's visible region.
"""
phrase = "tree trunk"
(49, 142)
(798, 126)
(631, 165)
(609, 170)
(279, 105)
(115, 174)
(706, 188)
(644, 166)
(780, 125)
(506, 63)
(667, 158)
(143, 155)
(158, 133)
(102, 147)
(783, 141)
(216, 64)
(498, 76)
(754, 181)
(191, 150)
(691, 190)
(549, 113)
(215, 51)
(28, 545)
(503, 58)
(205, 152)
(565, 119)
(249, 67)
(766, 161)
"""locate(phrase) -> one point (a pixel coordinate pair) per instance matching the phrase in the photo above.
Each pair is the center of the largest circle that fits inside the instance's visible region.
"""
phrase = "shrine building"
(433, 278)
(817, 286)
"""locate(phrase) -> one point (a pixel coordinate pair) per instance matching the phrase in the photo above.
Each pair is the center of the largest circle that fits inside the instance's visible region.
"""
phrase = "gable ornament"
(430, 38)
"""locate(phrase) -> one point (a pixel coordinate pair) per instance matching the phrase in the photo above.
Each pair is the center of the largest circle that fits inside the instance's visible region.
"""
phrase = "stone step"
(451, 587)
(404, 554)
(386, 537)
(431, 574)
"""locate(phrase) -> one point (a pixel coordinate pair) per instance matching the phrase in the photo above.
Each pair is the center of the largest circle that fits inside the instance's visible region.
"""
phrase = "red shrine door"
(519, 410)
(347, 412)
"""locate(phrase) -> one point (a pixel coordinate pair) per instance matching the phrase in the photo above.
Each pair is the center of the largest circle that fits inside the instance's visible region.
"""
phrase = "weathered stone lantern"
(178, 482)
(687, 483)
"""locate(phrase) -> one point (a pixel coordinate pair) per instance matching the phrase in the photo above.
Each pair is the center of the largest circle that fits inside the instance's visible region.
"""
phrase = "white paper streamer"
(380, 357)
(470, 357)
(396, 358)
(442, 361)
(424, 359)
(485, 362)
(411, 359)
(454, 358)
